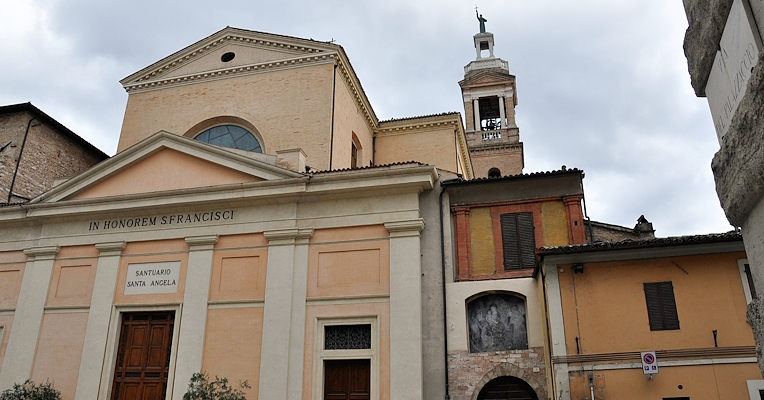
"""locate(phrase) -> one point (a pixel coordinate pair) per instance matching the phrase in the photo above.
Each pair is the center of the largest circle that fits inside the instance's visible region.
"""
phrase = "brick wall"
(12, 128)
(470, 372)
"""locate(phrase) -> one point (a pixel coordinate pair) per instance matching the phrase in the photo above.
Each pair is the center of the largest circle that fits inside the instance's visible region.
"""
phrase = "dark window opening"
(661, 306)
(490, 117)
(494, 173)
(749, 277)
(518, 241)
(353, 156)
(347, 337)
(227, 57)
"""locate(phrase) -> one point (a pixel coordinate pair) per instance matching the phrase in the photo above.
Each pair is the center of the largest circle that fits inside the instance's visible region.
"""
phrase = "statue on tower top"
(482, 21)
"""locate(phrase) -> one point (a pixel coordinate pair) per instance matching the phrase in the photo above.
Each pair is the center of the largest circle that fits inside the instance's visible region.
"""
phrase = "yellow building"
(683, 299)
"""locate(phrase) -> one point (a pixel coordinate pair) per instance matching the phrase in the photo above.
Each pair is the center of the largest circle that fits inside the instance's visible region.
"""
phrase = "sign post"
(649, 363)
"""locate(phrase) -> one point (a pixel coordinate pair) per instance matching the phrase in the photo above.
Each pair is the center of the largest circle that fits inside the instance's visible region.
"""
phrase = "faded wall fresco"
(497, 323)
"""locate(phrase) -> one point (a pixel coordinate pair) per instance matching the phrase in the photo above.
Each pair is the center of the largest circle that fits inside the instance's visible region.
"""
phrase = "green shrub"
(201, 388)
(31, 391)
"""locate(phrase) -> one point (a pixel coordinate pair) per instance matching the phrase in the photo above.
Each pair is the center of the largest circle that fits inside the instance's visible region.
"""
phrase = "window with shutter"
(661, 306)
(518, 241)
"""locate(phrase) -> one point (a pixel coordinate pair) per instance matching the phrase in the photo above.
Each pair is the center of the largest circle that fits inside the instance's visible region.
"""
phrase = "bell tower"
(490, 97)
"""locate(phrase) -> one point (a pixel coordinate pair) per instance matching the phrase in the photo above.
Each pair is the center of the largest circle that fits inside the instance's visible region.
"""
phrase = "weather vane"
(481, 19)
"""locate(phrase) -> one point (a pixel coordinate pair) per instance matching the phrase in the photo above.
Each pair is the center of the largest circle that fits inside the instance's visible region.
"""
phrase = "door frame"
(112, 344)
(320, 355)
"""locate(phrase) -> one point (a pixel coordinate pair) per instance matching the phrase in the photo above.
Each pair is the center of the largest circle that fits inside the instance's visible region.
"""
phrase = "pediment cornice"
(306, 52)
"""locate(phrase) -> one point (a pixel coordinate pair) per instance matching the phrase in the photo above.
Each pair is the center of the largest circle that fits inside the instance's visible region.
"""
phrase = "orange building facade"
(683, 299)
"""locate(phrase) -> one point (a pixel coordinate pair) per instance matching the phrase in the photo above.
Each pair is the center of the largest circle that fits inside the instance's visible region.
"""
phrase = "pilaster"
(406, 367)
(99, 317)
(27, 318)
(193, 321)
(556, 331)
(281, 357)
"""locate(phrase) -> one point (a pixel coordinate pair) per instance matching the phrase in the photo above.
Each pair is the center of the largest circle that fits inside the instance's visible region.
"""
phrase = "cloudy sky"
(602, 85)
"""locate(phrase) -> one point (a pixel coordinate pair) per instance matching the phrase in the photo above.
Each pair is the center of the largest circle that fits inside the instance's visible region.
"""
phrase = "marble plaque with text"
(738, 54)
(152, 278)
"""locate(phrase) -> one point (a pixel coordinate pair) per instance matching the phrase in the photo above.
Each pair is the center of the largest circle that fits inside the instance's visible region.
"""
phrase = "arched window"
(497, 323)
(231, 136)
(494, 173)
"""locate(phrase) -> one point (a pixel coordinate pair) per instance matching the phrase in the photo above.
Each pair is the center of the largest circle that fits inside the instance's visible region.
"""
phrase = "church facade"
(258, 222)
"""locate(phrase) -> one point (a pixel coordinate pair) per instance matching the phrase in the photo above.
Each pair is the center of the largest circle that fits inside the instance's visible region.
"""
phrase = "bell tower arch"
(490, 97)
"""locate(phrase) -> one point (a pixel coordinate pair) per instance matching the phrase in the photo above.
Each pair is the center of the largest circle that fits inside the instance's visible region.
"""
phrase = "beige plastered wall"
(12, 264)
(612, 314)
(179, 171)
(457, 294)
(233, 337)
(349, 119)
(434, 146)
(291, 108)
(62, 333)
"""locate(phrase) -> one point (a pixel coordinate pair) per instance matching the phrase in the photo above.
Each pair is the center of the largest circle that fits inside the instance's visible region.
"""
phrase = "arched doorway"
(507, 388)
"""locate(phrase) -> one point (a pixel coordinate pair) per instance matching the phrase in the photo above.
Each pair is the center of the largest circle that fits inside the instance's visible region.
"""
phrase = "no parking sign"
(649, 362)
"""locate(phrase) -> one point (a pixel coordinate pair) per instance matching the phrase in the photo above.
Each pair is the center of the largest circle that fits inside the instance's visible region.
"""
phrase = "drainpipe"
(334, 91)
(18, 159)
(443, 277)
(586, 215)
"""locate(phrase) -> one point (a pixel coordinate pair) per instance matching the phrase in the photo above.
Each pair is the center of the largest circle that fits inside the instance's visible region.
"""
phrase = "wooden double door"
(143, 356)
(347, 380)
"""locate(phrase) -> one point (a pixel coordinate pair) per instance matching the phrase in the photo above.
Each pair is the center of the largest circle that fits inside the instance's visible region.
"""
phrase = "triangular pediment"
(166, 162)
(249, 47)
(488, 77)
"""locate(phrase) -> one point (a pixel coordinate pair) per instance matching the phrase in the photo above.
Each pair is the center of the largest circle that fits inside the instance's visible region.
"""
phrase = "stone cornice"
(288, 236)
(206, 242)
(241, 70)
(42, 252)
(225, 36)
(111, 248)
(405, 228)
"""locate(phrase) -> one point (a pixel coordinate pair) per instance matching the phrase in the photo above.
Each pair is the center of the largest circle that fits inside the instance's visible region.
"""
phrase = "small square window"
(661, 306)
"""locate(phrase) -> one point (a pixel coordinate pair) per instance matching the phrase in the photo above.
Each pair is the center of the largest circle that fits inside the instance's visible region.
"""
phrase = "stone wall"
(12, 127)
(468, 372)
(48, 156)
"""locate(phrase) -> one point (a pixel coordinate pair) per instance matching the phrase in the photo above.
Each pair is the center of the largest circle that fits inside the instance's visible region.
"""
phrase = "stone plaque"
(152, 278)
(738, 54)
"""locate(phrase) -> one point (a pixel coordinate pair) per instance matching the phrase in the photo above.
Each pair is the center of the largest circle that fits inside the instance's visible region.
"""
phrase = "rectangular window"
(661, 307)
(347, 337)
(745, 274)
(353, 156)
(518, 241)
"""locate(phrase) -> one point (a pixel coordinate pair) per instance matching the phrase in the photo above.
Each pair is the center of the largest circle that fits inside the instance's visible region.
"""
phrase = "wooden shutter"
(518, 241)
(661, 306)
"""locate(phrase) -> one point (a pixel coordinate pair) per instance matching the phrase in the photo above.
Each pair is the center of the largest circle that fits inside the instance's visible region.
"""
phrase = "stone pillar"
(27, 319)
(502, 113)
(406, 367)
(193, 319)
(476, 108)
(99, 316)
(286, 280)
(556, 331)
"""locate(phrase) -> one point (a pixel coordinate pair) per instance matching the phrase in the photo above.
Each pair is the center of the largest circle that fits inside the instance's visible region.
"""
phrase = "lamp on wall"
(578, 268)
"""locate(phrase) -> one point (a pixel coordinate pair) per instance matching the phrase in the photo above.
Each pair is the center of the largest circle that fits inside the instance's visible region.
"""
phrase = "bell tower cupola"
(490, 97)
